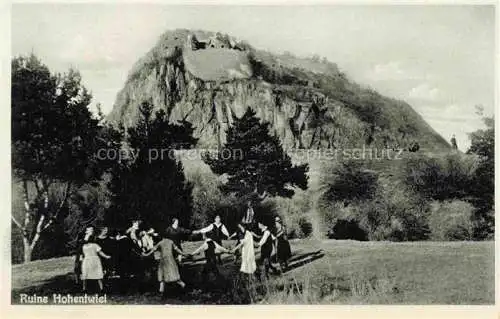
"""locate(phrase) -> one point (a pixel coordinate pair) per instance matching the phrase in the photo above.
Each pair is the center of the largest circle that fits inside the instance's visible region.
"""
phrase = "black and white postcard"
(323, 154)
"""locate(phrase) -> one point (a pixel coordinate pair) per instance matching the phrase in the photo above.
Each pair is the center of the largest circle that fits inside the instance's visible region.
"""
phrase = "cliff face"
(208, 78)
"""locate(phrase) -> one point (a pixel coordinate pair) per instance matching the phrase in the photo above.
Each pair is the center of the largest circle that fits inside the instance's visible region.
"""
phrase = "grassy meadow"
(321, 272)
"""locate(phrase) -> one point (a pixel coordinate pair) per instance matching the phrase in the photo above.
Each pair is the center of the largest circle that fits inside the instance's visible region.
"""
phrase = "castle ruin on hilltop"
(216, 41)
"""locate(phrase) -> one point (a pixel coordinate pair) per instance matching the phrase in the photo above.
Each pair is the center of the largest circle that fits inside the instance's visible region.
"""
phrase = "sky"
(439, 59)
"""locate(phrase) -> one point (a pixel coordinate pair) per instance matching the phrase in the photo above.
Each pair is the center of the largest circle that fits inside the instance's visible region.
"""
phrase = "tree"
(55, 140)
(483, 145)
(255, 162)
(88, 206)
(483, 141)
(151, 185)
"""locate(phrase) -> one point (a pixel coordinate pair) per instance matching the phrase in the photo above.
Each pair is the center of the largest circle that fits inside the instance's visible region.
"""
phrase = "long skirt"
(168, 270)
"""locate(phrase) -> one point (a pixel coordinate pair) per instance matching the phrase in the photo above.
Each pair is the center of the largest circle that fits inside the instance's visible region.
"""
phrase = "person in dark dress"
(211, 249)
(78, 257)
(176, 233)
(283, 251)
(218, 232)
(239, 235)
(266, 250)
(248, 217)
(124, 251)
(107, 246)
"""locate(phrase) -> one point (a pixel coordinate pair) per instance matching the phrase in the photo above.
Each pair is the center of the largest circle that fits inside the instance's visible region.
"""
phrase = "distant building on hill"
(216, 41)
(192, 43)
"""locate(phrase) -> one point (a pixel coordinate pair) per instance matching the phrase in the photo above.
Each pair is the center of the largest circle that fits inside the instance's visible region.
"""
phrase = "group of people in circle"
(101, 256)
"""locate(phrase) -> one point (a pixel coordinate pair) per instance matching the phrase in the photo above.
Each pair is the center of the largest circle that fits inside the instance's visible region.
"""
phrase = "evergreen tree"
(255, 162)
(151, 185)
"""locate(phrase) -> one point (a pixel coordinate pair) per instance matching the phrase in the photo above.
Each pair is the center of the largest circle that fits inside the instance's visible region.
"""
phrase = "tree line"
(56, 140)
(64, 185)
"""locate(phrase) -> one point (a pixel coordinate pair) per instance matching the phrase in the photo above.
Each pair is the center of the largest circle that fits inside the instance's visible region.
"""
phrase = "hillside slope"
(207, 78)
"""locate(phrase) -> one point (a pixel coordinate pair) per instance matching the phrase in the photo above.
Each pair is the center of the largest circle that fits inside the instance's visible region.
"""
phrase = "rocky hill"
(208, 78)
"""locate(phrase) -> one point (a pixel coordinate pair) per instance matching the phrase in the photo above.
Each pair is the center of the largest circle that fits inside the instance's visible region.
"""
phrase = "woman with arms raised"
(217, 232)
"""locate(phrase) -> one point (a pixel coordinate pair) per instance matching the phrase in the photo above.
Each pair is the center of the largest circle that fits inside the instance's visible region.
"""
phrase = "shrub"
(393, 214)
(331, 213)
(406, 213)
(296, 213)
(206, 195)
(265, 212)
(341, 220)
(349, 181)
(461, 177)
(445, 178)
(484, 224)
(208, 201)
(451, 220)
(306, 227)
(348, 229)
(375, 220)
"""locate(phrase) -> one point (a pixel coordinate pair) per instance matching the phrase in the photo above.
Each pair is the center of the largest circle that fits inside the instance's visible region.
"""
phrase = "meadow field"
(321, 272)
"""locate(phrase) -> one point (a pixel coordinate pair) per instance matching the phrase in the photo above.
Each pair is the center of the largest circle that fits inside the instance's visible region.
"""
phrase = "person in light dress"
(248, 264)
(91, 263)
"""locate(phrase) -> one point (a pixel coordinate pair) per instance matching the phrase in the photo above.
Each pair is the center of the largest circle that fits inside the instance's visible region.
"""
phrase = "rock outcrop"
(309, 103)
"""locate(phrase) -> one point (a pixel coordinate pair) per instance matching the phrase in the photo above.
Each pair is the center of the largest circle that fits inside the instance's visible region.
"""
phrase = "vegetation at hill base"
(61, 185)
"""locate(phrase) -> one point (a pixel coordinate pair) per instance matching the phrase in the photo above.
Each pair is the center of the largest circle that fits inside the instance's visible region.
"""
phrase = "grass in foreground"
(327, 272)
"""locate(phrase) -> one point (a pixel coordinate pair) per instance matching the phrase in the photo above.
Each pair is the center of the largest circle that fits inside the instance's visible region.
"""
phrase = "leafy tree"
(151, 184)
(483, 190)
(255, 162)
(483, 143)
(88, 206)
(457, 176)
(55, 140)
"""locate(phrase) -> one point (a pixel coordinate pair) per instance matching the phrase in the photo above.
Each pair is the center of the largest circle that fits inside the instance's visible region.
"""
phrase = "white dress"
(248, 264)
(91, 264)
